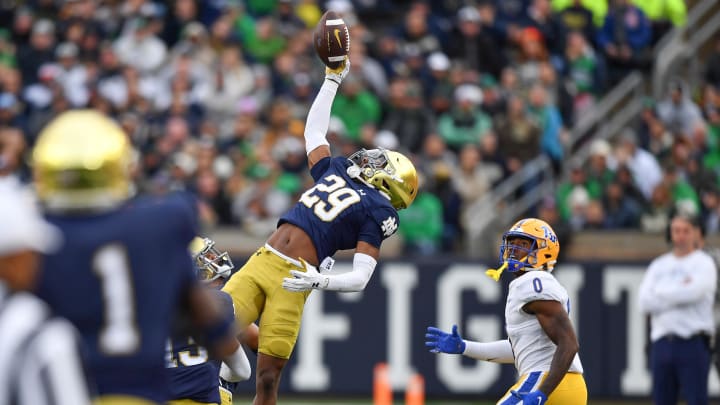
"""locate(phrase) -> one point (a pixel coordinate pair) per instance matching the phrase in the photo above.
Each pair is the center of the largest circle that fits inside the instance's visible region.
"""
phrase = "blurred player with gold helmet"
(127, 258)
(352, 205)
(541, 339)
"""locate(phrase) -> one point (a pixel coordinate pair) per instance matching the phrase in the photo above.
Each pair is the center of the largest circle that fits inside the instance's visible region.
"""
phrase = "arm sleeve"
(318, 117)
(236, 367)
(355, 280)
(497, 352)
(700, 282)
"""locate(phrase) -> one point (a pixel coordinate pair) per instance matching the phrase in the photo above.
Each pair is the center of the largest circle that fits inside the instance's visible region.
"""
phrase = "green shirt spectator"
(355, 107)
(421, 224)
(466, 123)
(266, 43)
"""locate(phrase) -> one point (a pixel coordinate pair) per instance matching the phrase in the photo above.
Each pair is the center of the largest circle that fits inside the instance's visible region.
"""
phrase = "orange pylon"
(415, 390)
(382, 391)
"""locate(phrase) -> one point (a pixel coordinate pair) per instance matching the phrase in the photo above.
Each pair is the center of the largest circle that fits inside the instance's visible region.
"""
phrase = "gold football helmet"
(82, 161)
(209, 263)
(543, 251)
(390, 172)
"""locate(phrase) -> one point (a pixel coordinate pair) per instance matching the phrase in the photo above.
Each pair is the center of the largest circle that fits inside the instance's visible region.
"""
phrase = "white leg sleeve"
(497, 352)
(318, 117)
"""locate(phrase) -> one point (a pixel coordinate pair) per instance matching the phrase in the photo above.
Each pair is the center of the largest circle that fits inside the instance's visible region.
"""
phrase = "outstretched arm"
(437, 341)
(364, 263)
(318, 119)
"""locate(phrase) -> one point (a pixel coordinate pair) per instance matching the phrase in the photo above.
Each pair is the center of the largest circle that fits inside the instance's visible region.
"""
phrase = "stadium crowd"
(214, 95)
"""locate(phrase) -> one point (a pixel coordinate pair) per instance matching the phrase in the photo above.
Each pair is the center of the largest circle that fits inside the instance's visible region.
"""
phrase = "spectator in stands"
(660, 140)
(576, 8)
(573, 195)
(621, 211)
(644, 167)
(547, 211)
(356, 106)
(183, 14)
(439, 86)
(415, 33)
(437, 164)
(518, 135)
(266, 43)
(407, 116)
(369, 69)
(574, 17)
(598, 171)
(540, 17)
(624, 177)
(233, 80)
(677, 110)
(625, 39)
(677, 292)
(470, 44)
(38, 52)
(140, 48)
(656, 217)
(421, 224)
(551, 126)
(533, 54)
(472, 179)
(682, 194)
(465, 123)
(583, 77)
(72, 75)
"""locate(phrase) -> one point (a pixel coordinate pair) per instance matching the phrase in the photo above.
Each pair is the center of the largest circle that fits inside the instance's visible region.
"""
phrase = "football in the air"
(332, 39)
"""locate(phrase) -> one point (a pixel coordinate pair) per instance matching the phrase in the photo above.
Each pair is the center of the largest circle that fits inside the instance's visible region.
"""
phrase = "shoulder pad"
(538, 286)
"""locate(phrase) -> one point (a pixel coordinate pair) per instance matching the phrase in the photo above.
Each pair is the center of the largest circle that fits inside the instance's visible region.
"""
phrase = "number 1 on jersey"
(119, 334)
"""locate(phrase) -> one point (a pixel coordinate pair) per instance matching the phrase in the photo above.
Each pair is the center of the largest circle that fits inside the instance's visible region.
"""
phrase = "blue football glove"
(440, 342)
(536, 397)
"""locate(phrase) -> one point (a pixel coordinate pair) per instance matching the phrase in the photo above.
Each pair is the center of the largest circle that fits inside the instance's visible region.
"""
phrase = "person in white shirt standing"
(541, 339)
(678, 292)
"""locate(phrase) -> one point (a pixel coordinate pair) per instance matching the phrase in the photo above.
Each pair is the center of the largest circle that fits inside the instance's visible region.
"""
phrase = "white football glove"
(338, 74)
(307, 280)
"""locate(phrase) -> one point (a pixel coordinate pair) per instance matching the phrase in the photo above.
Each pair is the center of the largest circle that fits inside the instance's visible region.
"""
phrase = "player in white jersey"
(541, 339)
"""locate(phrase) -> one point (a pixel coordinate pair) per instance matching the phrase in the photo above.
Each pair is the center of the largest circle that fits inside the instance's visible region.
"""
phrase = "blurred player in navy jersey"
(124, 268)
(353, 205)
(194, 377)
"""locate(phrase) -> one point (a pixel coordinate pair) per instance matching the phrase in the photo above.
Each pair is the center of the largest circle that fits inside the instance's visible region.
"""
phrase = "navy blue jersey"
(191, 374)
(118, 278)
(338, 211)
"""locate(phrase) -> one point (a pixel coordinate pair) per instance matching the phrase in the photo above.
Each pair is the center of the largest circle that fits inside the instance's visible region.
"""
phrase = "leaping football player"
(541, 339)
(353, 205)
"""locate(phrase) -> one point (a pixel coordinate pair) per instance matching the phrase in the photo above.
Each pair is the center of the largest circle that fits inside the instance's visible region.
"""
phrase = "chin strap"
(495, 273)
